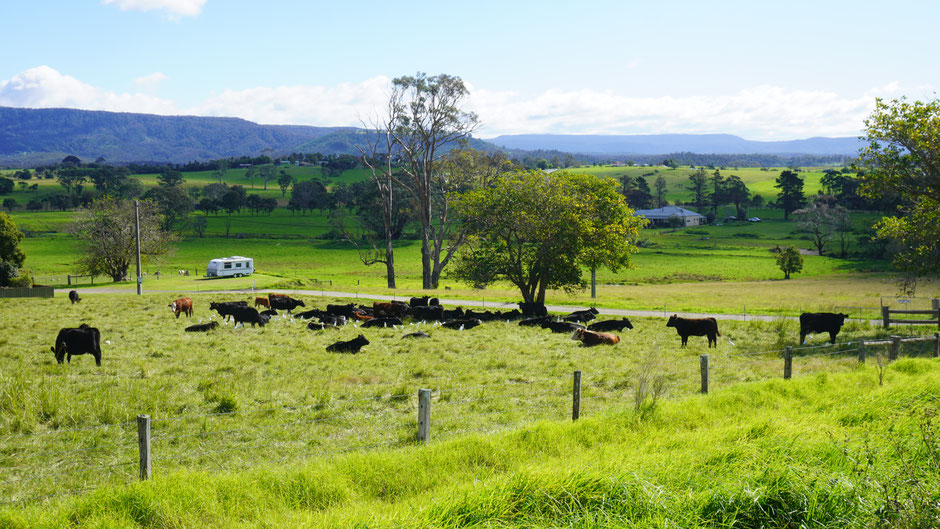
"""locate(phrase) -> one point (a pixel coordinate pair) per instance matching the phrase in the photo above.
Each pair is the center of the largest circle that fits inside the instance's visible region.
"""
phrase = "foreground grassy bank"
(829, 450)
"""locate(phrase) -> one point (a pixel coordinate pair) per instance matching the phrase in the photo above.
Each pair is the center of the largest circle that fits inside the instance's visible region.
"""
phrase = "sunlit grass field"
(251, 425)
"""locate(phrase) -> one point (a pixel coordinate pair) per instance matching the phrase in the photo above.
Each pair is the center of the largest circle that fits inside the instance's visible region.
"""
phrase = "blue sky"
(761, 70)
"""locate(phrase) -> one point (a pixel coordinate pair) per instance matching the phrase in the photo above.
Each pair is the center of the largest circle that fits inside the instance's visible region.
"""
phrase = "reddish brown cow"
(695, 327)
(591, 338)
(390, 310)
(262, 302)
(182, 305)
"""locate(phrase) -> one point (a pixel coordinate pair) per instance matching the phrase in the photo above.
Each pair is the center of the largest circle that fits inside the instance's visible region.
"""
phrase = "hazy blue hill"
(142, 137)
(669, 143)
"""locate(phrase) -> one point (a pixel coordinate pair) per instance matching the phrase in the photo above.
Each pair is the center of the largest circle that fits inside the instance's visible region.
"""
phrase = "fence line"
(531, 402)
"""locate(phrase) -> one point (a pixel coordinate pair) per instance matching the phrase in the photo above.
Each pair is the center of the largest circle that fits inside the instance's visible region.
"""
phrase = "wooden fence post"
(703, 364)
(895, 348)
(936, 310)
(424, 415)
(788, 362)
(936, 344)
(885, 316)
(576, 397)
(143, 443)
(861, 352)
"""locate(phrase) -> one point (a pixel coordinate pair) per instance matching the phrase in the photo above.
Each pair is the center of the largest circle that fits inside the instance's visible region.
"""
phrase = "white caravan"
(234, 266)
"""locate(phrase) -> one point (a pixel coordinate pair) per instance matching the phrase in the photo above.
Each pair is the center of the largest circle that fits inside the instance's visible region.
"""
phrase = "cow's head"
(172, 306)
(672, 321)
(627, 324)
(59, 352)
(842, 318)
(578, 334)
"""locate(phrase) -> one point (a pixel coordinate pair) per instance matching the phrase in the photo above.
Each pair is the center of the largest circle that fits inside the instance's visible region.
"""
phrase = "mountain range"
(36, 136)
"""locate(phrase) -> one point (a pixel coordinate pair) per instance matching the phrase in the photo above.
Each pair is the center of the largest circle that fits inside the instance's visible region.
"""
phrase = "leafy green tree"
(170, 178)
(791, 196)
(307, 195)
(9, 204)
(221, 167)
(539, 231)
(903, 157)
(174, 203)
(736, 192)
(284, 181)
(425, 120)
(820, 219)
(234, 199)
(11, 256)
(660, 189)
(716, 197)
(698, 183)
(71, 179)
(106, 236)
(267, 173)
(6, 185)
(790, 261)
(199, 226)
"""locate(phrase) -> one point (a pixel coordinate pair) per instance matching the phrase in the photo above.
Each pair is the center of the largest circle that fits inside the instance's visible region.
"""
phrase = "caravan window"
(238, 265)
(228, 265)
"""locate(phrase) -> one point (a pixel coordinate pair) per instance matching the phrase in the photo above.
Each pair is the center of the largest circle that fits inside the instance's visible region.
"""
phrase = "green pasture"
(252, 425)
(758, 181)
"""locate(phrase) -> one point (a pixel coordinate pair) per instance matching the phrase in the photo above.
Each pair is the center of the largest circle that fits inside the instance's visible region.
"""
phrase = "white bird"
(107, 342)
(729, 341)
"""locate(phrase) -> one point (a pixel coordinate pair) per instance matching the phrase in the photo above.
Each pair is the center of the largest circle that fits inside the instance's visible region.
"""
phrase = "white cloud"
(174, 8)
(149, 82)
(44, 87)
(761, 112)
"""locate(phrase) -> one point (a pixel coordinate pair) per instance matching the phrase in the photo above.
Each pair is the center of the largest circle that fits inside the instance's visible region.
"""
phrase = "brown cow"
(182, 305)
(395, 309)
(591, 338)
(262, 302)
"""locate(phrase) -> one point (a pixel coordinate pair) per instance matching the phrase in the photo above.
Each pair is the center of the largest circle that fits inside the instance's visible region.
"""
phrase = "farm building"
(660, 216)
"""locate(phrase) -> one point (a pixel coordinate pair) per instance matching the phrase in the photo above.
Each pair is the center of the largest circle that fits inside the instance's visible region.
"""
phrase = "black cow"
(250, 315)
(419, 302)
(77, 341)
(269, 313)
(453, 314)
(202, 327)
(418, 334)
(695, 327)
(350, 346)
(315, 326)
(382, 322)
(581, 316)
(341, 310)
(73, 297)
(226, 308)
(531, 310)
(461, 325)
(821, 322)
(282, 302)
(562, 326)
(610, 325)
(429, 313)
(312, 313)
(335, 321)
(535, 322)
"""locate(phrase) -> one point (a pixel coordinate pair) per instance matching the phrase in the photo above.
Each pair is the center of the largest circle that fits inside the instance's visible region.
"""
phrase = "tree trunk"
(389, 258)
(426, 259)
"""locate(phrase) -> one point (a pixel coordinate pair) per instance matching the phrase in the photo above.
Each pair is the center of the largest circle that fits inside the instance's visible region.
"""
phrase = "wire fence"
(41, 466)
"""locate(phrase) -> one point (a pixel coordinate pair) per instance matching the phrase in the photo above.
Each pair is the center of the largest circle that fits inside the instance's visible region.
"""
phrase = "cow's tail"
(718, 332)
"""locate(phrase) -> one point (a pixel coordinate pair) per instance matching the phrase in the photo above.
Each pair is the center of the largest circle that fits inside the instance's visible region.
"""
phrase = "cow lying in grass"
(350, 346)
(202, 327)
(591, 338)
(610, 325)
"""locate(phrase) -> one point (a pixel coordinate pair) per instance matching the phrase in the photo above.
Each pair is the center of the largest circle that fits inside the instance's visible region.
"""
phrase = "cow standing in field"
(821, 322)
(78, 341)
(695, 327)
(73, 297)
(284, 302)
(226, 308)
(182, 306)
(250, 315)
(262, 302)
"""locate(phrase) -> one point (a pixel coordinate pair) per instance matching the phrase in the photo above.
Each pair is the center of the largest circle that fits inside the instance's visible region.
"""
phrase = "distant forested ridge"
(126, 137)
(35, 137)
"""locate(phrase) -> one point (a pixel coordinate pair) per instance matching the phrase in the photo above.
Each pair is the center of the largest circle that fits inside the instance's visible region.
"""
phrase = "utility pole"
(137, 231)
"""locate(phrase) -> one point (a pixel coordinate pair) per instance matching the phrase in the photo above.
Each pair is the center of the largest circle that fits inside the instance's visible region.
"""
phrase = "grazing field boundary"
(123, 452)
